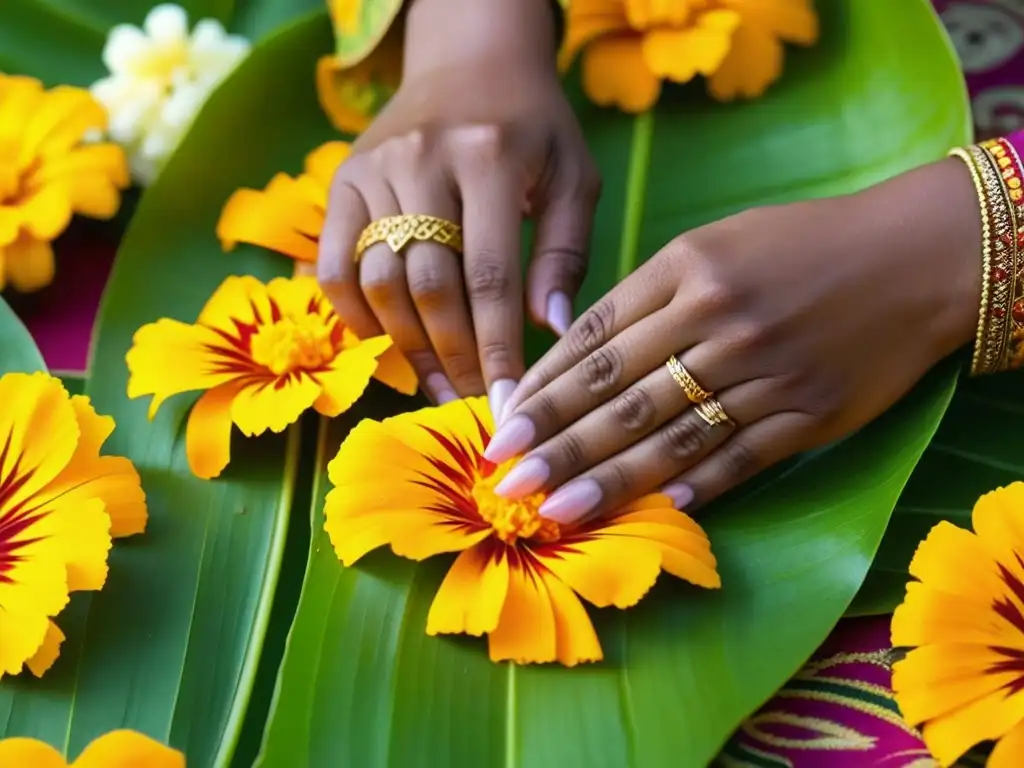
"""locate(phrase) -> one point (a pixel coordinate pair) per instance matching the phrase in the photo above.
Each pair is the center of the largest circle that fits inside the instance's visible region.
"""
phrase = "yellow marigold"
(352, 96)
(288, 217)
(47, 174)
(632, 45)
(263, 353)
(963, 682)
(517, 575)
(117, 749)
(60, 502)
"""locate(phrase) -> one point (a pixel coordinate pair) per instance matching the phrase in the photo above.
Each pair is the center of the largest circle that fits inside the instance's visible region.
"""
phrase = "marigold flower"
(263, 353)
(288, 217)
(516, 572)
(117, 749)
(160, 77)
(46, 174)
(60, 503)
(632, 45)
(964, 617)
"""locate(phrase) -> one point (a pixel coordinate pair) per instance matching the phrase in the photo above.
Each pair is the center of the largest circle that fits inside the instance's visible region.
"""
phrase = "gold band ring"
(694, 392)
(712, 412)
(398, 231)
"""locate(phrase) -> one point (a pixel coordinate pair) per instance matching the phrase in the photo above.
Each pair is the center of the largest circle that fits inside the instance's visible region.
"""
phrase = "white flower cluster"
(160, 77)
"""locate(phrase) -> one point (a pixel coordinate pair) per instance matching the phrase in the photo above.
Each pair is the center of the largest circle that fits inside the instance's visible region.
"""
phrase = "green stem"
(636, 189)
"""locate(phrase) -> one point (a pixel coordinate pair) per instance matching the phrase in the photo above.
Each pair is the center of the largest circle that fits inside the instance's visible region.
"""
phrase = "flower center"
(164, 62)
(290, 345)
(513, 520)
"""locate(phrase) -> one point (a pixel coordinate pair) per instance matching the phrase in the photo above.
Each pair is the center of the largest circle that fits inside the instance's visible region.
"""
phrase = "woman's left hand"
(805, 320)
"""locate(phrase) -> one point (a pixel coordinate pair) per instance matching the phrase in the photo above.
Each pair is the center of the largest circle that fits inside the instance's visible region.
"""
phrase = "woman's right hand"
(479, 133)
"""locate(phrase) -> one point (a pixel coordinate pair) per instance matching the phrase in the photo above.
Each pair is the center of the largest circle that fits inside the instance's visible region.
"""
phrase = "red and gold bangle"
(1005, 159)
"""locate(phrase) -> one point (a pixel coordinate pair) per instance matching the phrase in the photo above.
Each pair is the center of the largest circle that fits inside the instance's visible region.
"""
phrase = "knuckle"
(593, 329)
(430, 286)
(483, 143)
(738, 460)
(713, 298)
(685, 437)
(487, 279)
(570, 450)
(545, 409)
(406, 151)
(634, 409)
(496, 355)
(753, 335)
(462, 367)
(616, 479)
(571, 265)
(422, 360)
(601, 370)
(380, 287)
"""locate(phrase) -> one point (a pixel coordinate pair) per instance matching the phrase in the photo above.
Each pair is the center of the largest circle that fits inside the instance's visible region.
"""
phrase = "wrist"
(497, 36)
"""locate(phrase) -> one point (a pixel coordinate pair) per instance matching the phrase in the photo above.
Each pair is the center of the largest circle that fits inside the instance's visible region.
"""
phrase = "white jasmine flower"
(160, 77)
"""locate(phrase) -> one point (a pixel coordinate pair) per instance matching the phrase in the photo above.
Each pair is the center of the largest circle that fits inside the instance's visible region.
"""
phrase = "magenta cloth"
(838, 712)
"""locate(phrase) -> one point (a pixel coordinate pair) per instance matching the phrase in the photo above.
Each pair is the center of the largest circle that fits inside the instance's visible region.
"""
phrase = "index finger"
(492, 196)
(643, 293)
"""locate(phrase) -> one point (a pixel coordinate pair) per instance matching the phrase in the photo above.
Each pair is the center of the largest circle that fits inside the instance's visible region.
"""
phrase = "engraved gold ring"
(399, 231)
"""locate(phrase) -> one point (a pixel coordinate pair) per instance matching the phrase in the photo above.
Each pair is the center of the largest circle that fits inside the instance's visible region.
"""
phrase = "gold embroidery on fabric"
(874, 710)
(833, 736)
(728, 761)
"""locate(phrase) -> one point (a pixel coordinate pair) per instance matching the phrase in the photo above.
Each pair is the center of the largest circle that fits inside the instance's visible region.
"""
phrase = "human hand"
(805, 320)
(482, 138)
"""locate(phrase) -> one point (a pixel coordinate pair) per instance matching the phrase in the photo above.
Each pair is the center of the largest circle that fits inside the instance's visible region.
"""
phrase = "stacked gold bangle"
(998, 174)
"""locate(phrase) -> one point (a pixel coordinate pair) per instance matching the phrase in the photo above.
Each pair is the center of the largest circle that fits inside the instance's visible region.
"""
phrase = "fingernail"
(525, 477)
(680, 493)
(440, 389)
(571, 502)
(514, 437)
(498, 395)
(559, 315)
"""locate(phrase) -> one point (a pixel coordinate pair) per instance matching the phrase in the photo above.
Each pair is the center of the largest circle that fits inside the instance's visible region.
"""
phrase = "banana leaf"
(361, 683)
(18, 352)
(61, 41)
(172, 644)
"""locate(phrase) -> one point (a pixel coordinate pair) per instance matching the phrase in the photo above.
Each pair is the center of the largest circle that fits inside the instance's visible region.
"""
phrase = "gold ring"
(694, 392)
(398, 231)
(712, 412)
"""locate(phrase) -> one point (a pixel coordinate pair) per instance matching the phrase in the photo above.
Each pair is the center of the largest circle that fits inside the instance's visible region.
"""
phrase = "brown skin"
(483, 162)
(807, 320)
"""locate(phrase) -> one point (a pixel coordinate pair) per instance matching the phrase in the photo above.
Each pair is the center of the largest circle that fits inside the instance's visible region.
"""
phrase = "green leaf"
(362, 684)
(171, 645)
(61, 41)
(18, 352)
(976, 450)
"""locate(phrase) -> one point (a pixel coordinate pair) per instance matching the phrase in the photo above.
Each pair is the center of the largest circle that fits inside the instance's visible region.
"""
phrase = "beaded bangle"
(1004, 157)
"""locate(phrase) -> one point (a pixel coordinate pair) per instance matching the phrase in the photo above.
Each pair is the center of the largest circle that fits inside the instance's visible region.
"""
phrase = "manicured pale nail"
(571, 502)
(680, 493)
(440, 389)
(498, 395)
(512, 438)
(559, 312)
(525, 477)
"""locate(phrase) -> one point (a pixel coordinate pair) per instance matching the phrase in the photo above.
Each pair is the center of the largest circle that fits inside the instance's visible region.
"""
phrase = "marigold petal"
(35, 406)
(791, 20)
(92, 177)
(128, 749)
(63, 115)
(30, 263)
(976, 574)
(19, 752)
(19, 99)
(274, 219)
(615, 73)
(754, 62)
(275, 404)
(414, 534)
(396, 372)
(48, 652)
(603, 570)
(349, 376)
(1008, 752)
(937, 680)
(169, 357)
(208, 434)
(683, 554)
(576, 639)
(987, 718)
(38, 590)
(472, 595)
(323, 161)
(85, 543)
(10, 226)
(928, 615)
(462, 418)
(344, 117)
(239, 299)
(997, 524)
(526, 631)
(682, 54)
(586, 22)
(46, 213)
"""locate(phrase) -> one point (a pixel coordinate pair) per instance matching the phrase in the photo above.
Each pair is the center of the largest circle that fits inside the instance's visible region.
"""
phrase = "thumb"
(560, 254)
